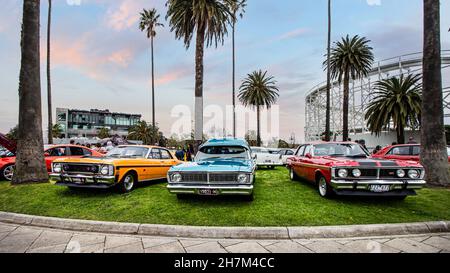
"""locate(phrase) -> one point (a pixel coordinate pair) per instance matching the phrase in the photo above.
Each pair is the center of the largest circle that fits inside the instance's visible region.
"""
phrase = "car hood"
(369, 162)
(86, 160)
(217, 165)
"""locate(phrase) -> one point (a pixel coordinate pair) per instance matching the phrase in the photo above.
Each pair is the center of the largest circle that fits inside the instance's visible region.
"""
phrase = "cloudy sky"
(101, 60)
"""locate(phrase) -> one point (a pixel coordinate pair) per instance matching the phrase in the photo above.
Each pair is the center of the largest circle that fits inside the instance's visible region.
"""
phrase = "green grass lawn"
(278, 202)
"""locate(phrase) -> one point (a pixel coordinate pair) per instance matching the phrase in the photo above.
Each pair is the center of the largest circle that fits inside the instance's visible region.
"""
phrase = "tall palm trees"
(208, 20)
(30, 165)
(49, 83)
(328, 110)
(433, 152)
(398, 100)
(259, 90)
(351, 58)
(237, 8)
(148, 23)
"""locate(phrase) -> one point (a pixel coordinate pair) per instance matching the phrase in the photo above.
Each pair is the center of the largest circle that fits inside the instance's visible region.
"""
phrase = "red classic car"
(345, 168)
(410, 152)
(51, 152)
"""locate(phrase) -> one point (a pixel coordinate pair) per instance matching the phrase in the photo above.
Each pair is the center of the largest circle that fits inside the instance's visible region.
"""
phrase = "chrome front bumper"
(222, 189)
(82, 181)
(363, 185)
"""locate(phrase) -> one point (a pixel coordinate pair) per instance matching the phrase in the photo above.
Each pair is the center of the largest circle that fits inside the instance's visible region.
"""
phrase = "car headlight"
(413, 174)
(104, 170)
(176, 177)
(342, 173)
(242, 178)
(57, 168)
(356, 173)
(401, 173)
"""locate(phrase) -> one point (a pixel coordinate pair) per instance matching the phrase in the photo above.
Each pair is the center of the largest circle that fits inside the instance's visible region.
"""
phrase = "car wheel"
(8, 172)
(293, 175)
(128, 183)
(324, 188)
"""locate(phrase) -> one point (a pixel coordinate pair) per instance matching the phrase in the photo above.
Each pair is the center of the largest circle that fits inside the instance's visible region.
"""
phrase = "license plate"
(208, 192)
(79, 180)
(380, 188)
(268, 161)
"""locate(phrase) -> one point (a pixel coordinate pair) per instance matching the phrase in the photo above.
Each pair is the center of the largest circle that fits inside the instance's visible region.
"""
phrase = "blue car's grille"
(222, 177)
(194, 177)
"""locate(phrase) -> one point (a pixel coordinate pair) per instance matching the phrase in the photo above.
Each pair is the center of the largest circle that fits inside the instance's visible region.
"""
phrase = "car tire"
(7, 173)
(293, 175)
(128, 183)
(324, 188)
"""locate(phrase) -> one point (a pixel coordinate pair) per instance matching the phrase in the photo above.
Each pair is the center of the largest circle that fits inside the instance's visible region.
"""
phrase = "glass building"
(80, 123)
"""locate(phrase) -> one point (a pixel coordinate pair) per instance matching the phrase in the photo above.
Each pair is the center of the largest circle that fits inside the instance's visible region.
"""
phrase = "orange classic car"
(123, 167)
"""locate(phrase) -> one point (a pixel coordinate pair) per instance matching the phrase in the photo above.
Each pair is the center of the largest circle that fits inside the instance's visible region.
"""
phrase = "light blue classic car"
(221, 167)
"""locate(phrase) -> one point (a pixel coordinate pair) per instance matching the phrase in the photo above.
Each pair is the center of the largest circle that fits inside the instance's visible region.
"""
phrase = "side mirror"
(46, 154)
(308, 155)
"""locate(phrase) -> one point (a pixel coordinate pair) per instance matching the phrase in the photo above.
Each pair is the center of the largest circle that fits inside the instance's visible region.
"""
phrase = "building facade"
(81, 123)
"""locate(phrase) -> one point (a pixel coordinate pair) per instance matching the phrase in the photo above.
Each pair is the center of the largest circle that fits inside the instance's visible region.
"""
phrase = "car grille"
(78, 168)
(222, 177)
(211, 178)
(194, 177)
(388, 173)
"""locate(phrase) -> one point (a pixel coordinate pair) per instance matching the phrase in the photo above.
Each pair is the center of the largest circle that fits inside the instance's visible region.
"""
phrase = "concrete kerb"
(261, 233)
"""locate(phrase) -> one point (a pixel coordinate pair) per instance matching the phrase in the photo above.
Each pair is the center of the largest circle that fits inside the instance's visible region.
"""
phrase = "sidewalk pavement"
(15, 238)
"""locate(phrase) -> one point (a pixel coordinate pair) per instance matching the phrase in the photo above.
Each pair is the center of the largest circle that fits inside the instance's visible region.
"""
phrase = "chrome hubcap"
(8, 173)
(128, 182)
(323, 187)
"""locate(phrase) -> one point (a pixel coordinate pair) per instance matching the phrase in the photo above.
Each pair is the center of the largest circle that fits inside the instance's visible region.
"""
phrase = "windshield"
(128, 152)
(347, 150)
(222, 152)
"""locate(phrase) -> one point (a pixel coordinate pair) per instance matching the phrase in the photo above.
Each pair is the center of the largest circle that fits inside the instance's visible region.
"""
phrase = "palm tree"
(398, 100)
(350, 58)
(30, 164)
(434, 150)
(328, 110)
(149, 22)
(49, 83)
(237, 8)
(259, 90)
(141, 132)
(208, 20)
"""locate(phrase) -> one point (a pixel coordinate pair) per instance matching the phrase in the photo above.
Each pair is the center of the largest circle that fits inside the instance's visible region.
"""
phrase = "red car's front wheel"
(324, 188)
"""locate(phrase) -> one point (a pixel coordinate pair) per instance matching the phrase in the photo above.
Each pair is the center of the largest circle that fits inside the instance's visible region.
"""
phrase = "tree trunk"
(345, 106)
(400, 135)
(49, 83)
(199, 51)
(234, 76)
(328, 113)
(30, 164)
(434, 151)
(258, 126)
(153, 94)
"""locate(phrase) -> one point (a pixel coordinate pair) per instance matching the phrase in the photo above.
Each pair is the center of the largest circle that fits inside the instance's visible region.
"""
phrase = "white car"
(264, 158)
(285, 154)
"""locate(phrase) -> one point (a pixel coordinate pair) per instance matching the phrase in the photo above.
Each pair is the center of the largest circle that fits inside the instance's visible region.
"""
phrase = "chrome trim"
(223, 190)
(364, 184)
(90, 179)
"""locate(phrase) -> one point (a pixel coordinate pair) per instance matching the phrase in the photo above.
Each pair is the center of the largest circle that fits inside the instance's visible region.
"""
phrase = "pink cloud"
(173, 75)
(293, 34)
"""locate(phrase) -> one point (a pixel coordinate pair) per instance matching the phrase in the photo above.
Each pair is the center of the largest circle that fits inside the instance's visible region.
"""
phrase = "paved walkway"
(26, 239)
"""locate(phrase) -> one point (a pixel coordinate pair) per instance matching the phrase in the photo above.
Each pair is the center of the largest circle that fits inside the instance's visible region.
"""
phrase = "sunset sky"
(101, 60)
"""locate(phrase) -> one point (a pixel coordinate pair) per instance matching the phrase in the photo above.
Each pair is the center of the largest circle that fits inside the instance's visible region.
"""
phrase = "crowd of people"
(98, 147)
(185, 153)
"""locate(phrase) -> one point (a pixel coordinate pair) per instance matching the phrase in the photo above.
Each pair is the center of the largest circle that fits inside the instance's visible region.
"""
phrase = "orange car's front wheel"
(128, 183)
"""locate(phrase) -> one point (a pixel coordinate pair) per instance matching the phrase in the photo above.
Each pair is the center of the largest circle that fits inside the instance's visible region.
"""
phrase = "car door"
(167, 161)
(307, 162)
(53, 154)
(154, 160)
(296, 161)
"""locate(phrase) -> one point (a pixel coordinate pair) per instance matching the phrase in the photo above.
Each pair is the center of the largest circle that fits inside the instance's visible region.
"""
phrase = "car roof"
(226, 142)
